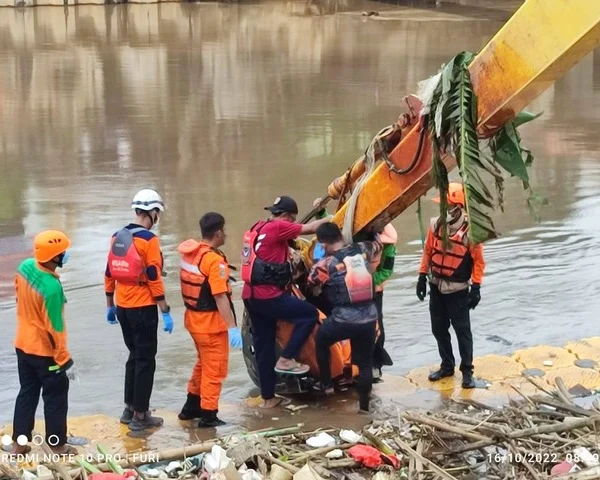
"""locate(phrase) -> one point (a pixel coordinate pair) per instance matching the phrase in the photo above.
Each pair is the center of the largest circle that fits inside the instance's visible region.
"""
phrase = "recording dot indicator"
(6, 440)
(22, 440)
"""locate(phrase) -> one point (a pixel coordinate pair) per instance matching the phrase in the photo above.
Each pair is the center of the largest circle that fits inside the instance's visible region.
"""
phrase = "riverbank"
(551, 433)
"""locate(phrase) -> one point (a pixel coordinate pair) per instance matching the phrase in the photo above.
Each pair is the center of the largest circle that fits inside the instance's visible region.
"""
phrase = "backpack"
(124, 261)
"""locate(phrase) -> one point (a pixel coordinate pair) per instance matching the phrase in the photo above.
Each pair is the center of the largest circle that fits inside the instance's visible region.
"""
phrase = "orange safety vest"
(195, 289)
(456, 263)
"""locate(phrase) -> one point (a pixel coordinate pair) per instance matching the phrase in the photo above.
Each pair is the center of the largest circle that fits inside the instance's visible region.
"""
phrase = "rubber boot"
(191, 409)
(209, 419)
(468, 381)
(439, 374)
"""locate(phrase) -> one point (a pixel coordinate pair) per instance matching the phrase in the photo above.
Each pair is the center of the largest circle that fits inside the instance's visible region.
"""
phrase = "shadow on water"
(224, 107)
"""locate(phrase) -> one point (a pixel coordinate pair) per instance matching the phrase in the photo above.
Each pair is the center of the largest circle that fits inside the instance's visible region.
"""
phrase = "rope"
(370, 159)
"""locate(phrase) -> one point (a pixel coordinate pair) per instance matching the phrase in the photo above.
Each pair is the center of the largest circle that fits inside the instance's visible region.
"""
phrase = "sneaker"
(147, 421)
(209, 419)
(191, 409)
(126, 416)
(439, 374)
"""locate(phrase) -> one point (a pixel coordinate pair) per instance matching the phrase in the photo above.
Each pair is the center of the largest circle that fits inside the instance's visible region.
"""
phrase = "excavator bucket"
(537, 46)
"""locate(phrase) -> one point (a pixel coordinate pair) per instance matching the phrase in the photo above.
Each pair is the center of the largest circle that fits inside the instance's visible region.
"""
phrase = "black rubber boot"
(468, 381)
(439, 374)
(191, 409)
(209, 419)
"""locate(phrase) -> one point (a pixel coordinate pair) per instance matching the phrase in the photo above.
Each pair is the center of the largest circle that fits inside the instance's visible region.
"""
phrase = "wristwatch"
(167, 310)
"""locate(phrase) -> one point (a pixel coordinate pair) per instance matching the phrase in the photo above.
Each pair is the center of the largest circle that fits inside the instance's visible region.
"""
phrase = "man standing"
(209, 315)
(450, 296)
(344, 276)
(267, 274)
(134, 287)
(44, 361)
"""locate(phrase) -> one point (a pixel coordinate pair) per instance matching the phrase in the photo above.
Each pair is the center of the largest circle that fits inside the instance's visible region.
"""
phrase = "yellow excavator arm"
(538, 45)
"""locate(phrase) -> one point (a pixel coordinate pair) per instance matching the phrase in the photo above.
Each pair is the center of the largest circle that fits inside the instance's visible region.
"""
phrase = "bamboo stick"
(409, 451)
(446, 427)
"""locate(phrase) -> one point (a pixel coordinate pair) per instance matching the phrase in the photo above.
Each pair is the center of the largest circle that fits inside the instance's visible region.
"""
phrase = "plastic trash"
(173, 469)
(106, 476)
(562, 468)
(250, 474)
(216, 460)
(548, 363)
(350, 436)
(586, 457)
(27, 475)
(152, 473)
(334, 454)
(321, 440)
(371, 457)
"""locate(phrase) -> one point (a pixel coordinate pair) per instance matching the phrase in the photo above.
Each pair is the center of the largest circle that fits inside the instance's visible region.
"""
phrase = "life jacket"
(195, 288)
(256, 271)
(456, 263)
(350, 281)
(125, 264)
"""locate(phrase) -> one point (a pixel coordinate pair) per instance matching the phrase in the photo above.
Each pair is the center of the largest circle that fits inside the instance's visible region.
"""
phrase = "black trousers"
(362, 340)
(140, 332)
(380, 356)
(35, 377)
(452, 309)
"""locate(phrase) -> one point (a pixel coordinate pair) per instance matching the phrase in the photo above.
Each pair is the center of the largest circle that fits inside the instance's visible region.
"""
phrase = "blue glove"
(168, 322)
(111, 315)
(235, 338)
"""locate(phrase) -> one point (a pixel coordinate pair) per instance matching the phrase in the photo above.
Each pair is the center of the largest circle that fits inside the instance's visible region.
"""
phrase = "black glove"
(422, 286)
(474, 296)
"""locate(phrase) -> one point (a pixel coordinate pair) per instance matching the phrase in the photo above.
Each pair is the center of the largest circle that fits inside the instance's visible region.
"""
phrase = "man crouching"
(345, 277)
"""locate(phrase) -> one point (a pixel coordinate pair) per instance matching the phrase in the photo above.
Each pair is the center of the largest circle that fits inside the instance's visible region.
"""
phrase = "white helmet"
(147, 200)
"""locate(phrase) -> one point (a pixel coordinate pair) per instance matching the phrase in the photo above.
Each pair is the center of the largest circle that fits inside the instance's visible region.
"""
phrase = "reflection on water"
(224, 107)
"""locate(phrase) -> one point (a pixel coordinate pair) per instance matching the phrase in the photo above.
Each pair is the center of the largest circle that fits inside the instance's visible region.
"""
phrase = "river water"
(223, 107)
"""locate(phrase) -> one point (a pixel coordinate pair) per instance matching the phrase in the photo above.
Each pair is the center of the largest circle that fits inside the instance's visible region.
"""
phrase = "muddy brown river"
(225, 106)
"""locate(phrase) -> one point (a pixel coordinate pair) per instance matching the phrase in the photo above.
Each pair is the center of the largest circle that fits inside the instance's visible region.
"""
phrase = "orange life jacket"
(454, 264)
(195, 289)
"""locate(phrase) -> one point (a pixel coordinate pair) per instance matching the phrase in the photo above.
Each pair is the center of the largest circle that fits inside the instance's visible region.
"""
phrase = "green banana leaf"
(454, 108)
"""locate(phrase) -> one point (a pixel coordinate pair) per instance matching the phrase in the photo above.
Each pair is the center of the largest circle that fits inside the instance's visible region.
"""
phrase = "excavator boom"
(537, 46)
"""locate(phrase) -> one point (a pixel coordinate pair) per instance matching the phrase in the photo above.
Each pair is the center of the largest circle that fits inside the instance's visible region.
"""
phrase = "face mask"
(64, 259)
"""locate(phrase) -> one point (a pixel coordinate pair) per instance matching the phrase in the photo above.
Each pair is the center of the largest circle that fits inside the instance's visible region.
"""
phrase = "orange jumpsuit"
(204, 274)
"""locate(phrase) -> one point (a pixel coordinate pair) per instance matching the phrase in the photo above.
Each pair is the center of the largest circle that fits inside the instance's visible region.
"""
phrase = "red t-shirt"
(272, 246)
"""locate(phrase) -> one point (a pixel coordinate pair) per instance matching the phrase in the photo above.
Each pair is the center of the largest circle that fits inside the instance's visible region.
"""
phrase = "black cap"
(283, 204)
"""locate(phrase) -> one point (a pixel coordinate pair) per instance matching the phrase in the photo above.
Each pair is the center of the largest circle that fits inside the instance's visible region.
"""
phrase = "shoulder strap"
(135, 230)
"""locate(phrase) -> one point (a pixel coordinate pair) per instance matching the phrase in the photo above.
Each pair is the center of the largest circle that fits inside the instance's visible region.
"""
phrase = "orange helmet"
(49, 244)
(456, 194)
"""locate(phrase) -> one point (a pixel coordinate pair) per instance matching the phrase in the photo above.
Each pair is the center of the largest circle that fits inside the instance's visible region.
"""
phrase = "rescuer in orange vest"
(43, 358)
(209, 317)
(457, 273)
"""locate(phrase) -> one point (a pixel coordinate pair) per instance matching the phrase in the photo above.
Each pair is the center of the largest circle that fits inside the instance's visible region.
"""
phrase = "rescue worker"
(451, 296)
(385, 269)
(209, 317)
(43, 359)
(134, 287)
(345, 277)
(266, 273)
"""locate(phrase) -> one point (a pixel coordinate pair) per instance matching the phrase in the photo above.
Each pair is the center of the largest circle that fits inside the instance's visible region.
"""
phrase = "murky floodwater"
(224, 107)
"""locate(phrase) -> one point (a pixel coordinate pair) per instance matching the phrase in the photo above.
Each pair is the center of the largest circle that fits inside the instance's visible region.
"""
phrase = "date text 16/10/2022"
(530, 457)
